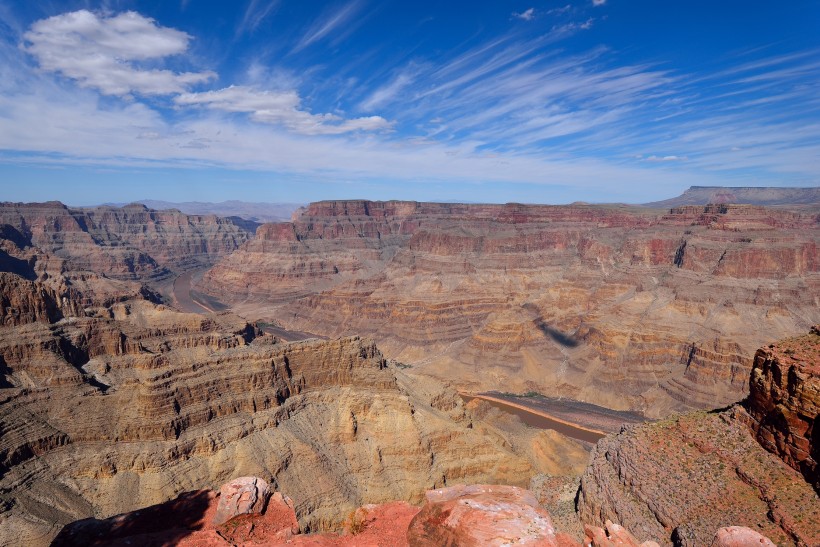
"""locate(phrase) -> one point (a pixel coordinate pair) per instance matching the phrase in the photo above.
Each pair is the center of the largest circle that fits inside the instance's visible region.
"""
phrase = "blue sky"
(494, 101)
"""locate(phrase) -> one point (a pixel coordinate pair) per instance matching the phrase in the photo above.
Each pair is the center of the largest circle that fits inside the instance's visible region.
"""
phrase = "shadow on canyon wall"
(557, 336)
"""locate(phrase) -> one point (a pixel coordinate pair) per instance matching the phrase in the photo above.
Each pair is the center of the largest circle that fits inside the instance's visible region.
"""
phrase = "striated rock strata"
(784, 402)
(132, 404)
(131, 242)
(626, 307)
(752, 465)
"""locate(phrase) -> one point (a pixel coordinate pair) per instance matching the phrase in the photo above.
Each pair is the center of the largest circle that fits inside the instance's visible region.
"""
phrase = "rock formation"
(132, 404)
(464, 516)
(740, 536)
(131, 242)
(621, 306)
(784, 402)
(242, 496)
(479, 515)
(752, 465)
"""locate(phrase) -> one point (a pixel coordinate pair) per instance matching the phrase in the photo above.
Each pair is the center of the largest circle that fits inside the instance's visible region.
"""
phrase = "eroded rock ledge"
(753, 464)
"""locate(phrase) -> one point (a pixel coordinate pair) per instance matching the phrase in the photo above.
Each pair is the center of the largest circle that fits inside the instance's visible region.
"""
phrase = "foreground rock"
(740, 536)
(630, 308)
(242, 496)
(482, 516)
(463, 516)
(613, 535)
(679, 480)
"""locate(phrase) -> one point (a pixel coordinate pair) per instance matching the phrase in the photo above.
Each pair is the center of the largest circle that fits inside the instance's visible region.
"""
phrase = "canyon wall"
(616, 305)
(131, 242)
(131, 404)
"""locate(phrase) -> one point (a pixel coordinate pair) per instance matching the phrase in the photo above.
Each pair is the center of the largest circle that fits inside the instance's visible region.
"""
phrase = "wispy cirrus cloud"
(329, 23)
(256, 12)
(514, 108)
(102, 52)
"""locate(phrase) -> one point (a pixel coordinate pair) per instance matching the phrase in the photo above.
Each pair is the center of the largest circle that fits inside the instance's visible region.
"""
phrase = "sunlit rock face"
(135, 403)
(632, 308)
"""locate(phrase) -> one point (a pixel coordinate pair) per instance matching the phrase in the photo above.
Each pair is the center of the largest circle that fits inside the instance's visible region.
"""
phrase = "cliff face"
(623, 306)
(784, 402)
(754, 464)
(132, 404)
(131, 242)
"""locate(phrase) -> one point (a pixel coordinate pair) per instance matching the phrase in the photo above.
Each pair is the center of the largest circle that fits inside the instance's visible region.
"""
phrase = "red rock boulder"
(242, 496)
(482, 515)
(740, 536)
(614, 536)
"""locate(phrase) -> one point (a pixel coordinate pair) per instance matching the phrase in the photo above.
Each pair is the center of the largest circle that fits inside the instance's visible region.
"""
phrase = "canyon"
(112, 399)
(626, 307)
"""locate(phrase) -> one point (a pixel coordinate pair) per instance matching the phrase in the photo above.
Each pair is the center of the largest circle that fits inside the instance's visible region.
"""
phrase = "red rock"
(481, 515)
(242, 496)
(615, 535)
(740, 536)
(784, 402)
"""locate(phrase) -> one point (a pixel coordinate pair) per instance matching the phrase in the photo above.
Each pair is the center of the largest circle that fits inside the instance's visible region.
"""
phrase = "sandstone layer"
(131, 404)
(625, 307)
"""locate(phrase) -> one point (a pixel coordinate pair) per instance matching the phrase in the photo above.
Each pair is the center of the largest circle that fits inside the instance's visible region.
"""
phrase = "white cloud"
(526, 15)
(279, 108)
(102, 52)
(666, 158)
(598, 2)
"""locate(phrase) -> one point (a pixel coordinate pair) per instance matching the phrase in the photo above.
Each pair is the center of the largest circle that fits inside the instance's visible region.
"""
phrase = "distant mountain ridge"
(257, 212)
(764, 195)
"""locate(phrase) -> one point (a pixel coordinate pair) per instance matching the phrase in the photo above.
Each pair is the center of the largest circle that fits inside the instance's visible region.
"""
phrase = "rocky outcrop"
(784, 402)
(751, 465)
(627, 307)
(482, 515)
(478, 515)
(740, 536)
(679, 480)
(242, 496)
(135, 403)
(612, 535)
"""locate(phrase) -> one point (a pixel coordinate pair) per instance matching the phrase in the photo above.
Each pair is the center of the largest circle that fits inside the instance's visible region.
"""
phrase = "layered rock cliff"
(784, 402)
(621, 306)
(134, 403)
(131, 242)
(753, 464)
